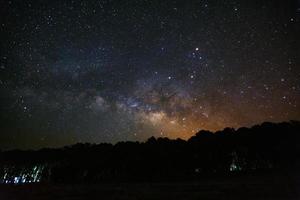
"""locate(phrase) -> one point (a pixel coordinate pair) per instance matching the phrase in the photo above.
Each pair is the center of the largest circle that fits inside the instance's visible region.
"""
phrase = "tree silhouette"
(268, 146)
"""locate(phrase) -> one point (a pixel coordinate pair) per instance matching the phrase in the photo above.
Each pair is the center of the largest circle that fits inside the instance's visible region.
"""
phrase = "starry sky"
(107, 71)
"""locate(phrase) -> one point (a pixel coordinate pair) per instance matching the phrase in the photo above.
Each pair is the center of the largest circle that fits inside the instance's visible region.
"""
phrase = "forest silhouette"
(265, 147)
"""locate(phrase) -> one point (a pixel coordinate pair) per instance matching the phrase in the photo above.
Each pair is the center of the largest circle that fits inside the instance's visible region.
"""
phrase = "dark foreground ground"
(273, 187)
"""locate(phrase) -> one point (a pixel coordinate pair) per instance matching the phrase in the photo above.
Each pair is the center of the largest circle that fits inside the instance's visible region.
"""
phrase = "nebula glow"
(109, 71)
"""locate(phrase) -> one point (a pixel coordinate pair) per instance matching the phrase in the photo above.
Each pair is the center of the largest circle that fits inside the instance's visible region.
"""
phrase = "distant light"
(16, 180)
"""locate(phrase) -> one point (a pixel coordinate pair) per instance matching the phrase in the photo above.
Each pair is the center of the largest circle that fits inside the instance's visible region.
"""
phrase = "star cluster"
(106, 71)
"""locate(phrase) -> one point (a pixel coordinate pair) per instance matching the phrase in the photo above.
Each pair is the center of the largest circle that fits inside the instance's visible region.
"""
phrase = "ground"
(273, 187)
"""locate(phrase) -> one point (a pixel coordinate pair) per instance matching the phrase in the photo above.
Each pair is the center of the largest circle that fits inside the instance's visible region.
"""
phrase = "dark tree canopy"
(268, 146)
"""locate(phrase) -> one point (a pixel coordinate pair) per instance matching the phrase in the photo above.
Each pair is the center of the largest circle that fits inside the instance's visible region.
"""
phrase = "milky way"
(108, 71)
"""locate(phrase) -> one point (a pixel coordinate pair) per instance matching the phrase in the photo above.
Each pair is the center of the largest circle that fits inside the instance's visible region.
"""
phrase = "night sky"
(109, 70)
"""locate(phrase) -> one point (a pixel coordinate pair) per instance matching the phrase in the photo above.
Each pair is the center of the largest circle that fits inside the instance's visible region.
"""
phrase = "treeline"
(268, 146)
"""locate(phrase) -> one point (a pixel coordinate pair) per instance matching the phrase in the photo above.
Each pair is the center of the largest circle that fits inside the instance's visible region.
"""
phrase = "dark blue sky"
(106, 71)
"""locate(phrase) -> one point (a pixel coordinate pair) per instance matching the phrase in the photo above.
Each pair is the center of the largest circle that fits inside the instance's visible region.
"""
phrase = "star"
(106, 72)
